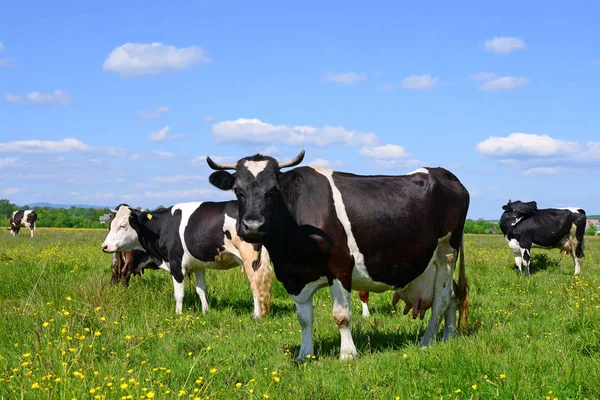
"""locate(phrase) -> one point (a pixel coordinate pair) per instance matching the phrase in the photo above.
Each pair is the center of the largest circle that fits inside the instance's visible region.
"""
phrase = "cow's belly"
(222, 261)
(418, 295)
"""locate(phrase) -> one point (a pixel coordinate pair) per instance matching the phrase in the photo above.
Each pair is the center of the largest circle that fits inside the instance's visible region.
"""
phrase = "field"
(66, 333)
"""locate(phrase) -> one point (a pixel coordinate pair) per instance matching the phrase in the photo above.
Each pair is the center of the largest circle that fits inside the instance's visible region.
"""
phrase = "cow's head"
(122, 230)
(255, 183)
(521, 209)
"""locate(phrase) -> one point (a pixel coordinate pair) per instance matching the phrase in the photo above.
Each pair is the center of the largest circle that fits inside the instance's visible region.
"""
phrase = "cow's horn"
(216, 166)
(294, 162)
(113, 211)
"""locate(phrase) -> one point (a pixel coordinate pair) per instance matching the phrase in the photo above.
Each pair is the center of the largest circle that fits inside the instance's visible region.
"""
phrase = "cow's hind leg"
(445, 261)
(200, 274)
(342, 312)
(526, 255)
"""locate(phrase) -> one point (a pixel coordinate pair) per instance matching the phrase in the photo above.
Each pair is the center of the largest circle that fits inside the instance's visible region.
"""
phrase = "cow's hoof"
(347, 355)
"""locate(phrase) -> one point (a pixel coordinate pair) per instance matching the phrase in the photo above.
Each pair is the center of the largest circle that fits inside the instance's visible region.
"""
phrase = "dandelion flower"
(150, 395)
(35, 386)
(502, 376)
(124, 386)
(474, 387)
(238, 385)
(457, 391)
(97, 333)
(69, 298)
(213, 370)
(26, 355)
(276, 379)
(404, 355)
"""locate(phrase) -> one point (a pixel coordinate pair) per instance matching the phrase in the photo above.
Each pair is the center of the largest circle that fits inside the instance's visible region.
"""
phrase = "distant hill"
(593, 216)
(43, 204)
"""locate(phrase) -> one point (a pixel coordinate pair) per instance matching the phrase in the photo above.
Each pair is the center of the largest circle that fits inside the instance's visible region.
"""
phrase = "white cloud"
(269, 151)
(57, 97)
(482, 76)
(521, 144)
(156, 112)
(207, 118)
(162, 154)
(504, 45)
(177, 178)
(67, 145)
(419, 82)
(201, 160)
(504, 83)
(542, 171)
(254, 130)
(10, 191)
(323, 163)
(136, 59)
(347, 78)
(12, 98)
(8, 162)
(385, 151)
(161, 136)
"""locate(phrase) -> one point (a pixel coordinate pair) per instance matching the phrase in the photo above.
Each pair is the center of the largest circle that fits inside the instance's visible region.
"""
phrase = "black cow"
(525, 226)
(367, 233)
(133, 262)
(22, 219)
(190, 237)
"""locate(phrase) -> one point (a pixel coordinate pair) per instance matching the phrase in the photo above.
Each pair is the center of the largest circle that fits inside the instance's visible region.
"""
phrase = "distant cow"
(22, 219)
(190, 237)
(133, 262)
(524, 227)
(350, 232)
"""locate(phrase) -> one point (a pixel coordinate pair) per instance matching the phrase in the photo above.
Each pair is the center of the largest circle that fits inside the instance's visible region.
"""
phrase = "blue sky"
(103, 103)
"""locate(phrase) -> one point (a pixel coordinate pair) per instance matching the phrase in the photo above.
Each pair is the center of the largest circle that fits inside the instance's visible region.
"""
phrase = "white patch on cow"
(187, 209)
(255, 167)
(360, 277)
(516, 221)
(572, 209)
(200, 274)
(257, 311)
(419, 171)
(229, 225)
(122, 236)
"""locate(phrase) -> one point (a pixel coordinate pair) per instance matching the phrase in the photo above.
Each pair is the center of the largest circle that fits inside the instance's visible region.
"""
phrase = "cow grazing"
(133, 262)
(190, 237)
(22, 219)
(367, 233)
(525, 226)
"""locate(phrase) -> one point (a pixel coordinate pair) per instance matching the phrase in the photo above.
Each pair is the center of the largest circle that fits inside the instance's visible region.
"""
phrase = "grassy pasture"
(66, 333)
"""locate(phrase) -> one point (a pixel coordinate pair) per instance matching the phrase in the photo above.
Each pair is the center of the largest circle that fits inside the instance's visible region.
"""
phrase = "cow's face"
(520, 208)
(256, 186)
(121, 235)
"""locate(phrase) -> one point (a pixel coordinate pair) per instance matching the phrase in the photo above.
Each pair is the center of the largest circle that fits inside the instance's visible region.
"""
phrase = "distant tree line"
(73, 217)
(482, 226)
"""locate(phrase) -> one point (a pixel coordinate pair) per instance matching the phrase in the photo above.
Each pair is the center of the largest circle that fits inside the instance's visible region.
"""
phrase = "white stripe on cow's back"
(419, 170)
(186, 212)
(572, 209)
(360, 276)
(255, 167)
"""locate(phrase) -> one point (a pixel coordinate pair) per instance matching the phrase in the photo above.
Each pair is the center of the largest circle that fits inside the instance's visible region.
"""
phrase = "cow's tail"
(462, 289)
(263, 278)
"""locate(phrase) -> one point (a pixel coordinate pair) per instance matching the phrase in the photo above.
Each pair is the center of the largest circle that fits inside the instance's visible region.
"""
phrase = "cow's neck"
(149, 231)
(509, 222)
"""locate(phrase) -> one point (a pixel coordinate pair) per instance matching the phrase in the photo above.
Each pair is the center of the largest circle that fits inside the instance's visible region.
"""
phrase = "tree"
(591, 230)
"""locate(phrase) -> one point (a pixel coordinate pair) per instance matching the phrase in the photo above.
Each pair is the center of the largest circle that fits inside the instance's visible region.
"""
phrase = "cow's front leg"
(201, 287)
(526, 255)
(342, 312)
(518, 260)
(305, 313)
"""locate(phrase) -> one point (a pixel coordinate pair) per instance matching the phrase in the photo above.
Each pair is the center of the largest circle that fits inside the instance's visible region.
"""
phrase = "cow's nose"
(105, 248)
(252, 225)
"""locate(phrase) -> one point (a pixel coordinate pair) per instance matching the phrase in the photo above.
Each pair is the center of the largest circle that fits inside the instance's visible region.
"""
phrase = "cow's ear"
(222, 180)
(505, 208)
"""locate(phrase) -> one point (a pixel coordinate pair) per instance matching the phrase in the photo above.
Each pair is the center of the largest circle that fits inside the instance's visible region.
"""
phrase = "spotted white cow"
(191, 237)
(22, 219)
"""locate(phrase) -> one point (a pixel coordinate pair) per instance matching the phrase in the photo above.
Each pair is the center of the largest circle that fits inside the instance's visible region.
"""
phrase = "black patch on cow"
(228, 235)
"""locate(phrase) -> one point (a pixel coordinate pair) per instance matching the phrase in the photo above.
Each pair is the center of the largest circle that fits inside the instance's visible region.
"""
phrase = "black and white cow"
(191, 237)
(525, 226)
(368, 233)
(22, 219)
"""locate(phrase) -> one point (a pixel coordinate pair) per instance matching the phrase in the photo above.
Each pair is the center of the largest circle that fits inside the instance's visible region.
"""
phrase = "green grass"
(526, 337)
